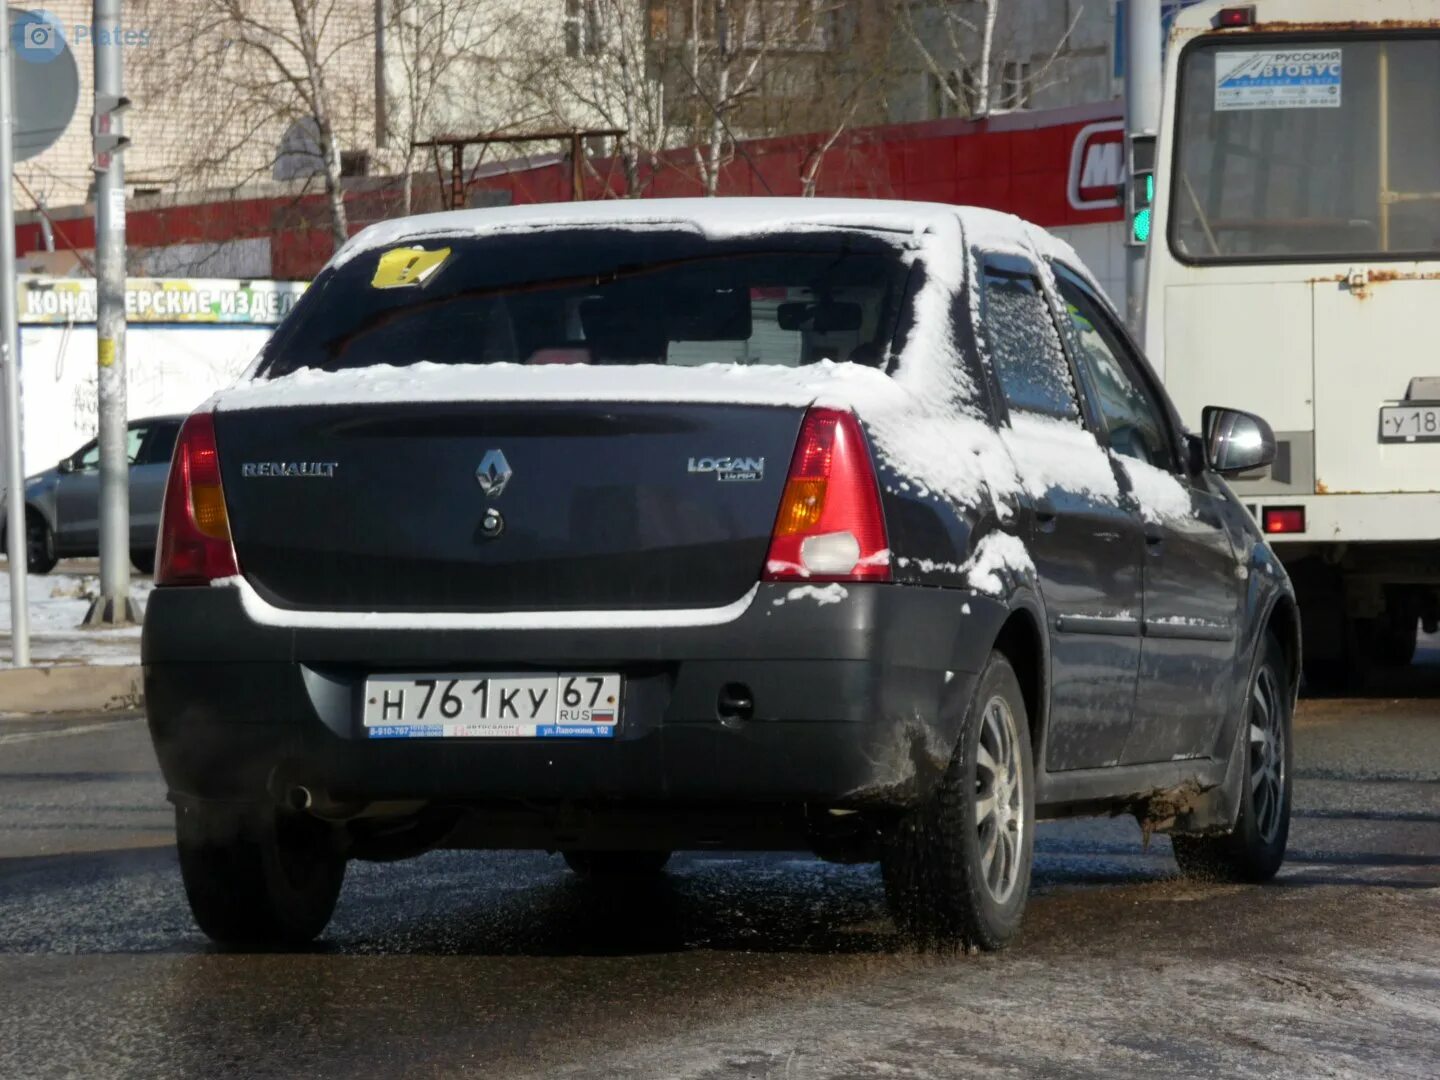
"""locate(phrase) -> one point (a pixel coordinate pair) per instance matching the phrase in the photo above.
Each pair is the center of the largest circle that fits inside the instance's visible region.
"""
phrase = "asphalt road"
(733, 966)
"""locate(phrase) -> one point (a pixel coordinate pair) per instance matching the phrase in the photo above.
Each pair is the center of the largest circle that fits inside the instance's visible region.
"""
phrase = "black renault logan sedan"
(619, 529)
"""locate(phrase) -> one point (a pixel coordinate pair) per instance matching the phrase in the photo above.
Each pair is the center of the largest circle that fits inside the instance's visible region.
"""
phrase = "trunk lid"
(606, 505)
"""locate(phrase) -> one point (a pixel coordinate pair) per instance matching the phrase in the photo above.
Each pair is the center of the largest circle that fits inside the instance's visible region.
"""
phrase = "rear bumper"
(855, 704)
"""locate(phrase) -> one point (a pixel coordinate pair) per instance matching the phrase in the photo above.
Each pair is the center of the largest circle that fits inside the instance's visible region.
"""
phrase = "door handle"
(1154, 540)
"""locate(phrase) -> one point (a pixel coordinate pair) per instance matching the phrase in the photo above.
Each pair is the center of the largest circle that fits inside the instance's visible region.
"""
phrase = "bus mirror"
(1236, 441)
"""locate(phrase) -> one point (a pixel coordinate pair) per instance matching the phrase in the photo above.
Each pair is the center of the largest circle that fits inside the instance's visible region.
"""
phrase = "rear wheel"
(957, 868)
(39, 545)
(258, 875)
(1256, 847)
(605, 865)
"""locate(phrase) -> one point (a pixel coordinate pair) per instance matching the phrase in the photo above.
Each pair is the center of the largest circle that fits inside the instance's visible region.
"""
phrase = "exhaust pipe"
(298, 798)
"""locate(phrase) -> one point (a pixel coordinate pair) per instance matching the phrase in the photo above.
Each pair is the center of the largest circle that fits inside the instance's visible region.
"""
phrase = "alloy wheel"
(999, 800)
(1267, 754)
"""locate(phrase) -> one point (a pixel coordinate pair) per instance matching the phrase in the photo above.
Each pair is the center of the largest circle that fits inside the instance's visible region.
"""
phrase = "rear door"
(77, 497)
(1085, 545)
(77, 504)
(1192, 590)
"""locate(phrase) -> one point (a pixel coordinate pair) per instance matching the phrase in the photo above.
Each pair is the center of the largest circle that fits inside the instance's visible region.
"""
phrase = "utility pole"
(112, 607)
(10, 360)
(1142, 124)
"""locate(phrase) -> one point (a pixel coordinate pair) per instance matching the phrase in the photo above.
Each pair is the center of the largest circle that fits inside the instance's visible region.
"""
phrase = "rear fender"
(920, 750)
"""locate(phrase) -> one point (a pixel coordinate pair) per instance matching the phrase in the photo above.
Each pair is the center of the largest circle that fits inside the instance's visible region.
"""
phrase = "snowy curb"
(71, 688)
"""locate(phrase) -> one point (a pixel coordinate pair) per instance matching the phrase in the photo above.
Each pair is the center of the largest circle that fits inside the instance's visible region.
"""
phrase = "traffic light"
(1140, 189)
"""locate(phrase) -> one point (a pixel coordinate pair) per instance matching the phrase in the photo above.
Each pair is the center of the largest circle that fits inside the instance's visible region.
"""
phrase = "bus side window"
(1136, 425)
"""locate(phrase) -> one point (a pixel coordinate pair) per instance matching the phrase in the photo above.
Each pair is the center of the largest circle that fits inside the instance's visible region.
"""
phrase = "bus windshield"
(1307, 150)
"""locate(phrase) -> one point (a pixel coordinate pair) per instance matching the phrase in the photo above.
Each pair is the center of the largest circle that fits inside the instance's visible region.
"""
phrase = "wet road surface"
(732, 966)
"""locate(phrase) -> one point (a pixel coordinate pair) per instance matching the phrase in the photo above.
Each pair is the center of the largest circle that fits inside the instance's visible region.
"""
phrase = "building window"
(354, 163)
(1015, 88)
(582, 28)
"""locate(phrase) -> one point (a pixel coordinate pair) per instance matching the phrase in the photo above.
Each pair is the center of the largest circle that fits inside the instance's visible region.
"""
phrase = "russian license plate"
(1410, 423)
(580, 705)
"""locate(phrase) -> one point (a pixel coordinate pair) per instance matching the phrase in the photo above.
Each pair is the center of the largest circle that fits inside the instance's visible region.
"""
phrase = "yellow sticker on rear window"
(405, 268)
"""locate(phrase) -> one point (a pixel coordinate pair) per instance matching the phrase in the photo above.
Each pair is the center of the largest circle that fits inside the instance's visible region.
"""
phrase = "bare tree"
(843, 80)
(264, 67)
(722, 74)
(957, 46)
(810, 167)
(436, 46)
(608, 75)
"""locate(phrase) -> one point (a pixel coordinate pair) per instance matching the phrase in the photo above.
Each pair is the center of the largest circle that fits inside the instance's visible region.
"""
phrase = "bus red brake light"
(830, 526)
(1279, 520)
(1233, 17)
(194, 545)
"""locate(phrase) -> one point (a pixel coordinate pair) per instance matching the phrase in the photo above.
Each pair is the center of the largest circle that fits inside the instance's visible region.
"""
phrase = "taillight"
(830, 526)
(195, 545)
(1234, 17)
(1283, 519)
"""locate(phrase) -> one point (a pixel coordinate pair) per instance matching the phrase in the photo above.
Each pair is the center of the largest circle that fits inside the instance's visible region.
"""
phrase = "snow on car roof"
(717, 218)
(724, 218)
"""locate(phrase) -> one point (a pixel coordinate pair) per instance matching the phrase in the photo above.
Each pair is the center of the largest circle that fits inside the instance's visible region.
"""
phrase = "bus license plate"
(526, 705)
(1410, 423)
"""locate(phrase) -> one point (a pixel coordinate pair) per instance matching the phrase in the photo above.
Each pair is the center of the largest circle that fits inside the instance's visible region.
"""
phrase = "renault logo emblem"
(493, 473)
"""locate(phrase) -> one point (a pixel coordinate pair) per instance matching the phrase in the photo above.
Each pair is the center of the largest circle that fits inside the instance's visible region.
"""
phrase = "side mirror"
(67, 465)
(1236, 441)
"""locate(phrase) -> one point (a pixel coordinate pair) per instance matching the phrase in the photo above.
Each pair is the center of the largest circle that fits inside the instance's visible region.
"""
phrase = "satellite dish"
(46, 81)
(300, 154)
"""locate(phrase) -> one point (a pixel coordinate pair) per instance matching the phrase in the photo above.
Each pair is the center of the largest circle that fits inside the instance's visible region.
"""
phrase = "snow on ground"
(57, 605)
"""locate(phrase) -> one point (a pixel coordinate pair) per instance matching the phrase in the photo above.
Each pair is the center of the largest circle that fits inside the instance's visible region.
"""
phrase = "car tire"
(259, 875)
(39, 545)
(1255, 848)
(143, 560)
(616, 865)
(957, 868)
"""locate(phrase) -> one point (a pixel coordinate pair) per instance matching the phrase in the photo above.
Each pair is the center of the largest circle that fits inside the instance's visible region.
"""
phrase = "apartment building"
(229, 95)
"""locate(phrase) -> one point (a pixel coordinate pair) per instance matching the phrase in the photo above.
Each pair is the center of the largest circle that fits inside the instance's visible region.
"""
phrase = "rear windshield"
(601, 297)
(1308, 149)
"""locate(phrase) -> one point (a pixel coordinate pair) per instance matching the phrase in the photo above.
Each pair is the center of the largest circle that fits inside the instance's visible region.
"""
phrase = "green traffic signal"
(1140, 230)
(1140, 211)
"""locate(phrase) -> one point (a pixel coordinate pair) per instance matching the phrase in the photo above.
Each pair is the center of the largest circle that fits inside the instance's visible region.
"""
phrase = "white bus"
(1295, 272)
